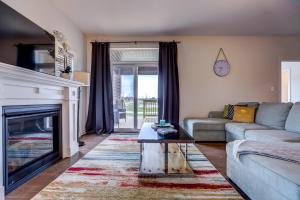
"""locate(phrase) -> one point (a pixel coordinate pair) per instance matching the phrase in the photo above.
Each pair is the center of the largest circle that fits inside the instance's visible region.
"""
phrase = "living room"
(119, 76)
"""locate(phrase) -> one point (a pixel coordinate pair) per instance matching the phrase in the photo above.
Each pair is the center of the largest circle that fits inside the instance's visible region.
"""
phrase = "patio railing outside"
(150, 108)
(147, 112)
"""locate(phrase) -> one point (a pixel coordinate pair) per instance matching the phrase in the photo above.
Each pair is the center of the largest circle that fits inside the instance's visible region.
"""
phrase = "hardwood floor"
(215, 152)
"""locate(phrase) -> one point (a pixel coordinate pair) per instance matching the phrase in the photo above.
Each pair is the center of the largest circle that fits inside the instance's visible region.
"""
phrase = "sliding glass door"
(135, 80)
(134, 95)
(124, 93)
(147, 85)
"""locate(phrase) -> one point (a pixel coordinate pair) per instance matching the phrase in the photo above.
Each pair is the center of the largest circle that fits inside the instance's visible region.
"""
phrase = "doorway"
(135, 87)
(290, 81)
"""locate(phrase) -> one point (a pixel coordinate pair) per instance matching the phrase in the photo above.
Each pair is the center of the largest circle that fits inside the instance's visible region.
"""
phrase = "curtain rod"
(136, 42)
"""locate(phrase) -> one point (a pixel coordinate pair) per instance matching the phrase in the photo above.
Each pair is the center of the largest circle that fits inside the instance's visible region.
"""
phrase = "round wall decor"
(221, 66)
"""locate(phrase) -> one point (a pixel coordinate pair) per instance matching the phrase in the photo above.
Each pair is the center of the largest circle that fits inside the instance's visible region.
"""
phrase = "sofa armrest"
(216, 114)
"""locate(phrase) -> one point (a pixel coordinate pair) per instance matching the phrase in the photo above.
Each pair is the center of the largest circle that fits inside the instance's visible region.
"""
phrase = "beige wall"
(254, 76)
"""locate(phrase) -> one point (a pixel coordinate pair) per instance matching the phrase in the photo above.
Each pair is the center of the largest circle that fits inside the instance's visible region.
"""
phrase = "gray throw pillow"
(273, 115)
(293, 120)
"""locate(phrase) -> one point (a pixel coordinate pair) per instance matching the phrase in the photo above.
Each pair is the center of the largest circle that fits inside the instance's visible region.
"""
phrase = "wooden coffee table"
(164, 156)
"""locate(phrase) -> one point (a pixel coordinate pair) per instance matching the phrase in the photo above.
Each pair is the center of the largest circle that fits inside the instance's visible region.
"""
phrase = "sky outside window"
(147, 86)
(127, 86)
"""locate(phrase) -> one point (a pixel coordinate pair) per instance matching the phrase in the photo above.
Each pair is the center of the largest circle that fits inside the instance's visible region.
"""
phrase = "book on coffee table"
(167, 131)
(156, 126)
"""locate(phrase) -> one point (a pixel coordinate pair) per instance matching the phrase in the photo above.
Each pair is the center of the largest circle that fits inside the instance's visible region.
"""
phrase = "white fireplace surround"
(20, 86)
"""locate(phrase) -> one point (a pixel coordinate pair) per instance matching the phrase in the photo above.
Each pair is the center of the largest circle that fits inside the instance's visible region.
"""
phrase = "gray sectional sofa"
(206, 129)
(264, 178)
(211, 129)
(261, 178)
(272, 124)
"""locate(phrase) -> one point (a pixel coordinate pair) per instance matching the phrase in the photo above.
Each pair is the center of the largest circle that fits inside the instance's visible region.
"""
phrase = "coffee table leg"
(186, 150)
(166, 158)
(141, 152)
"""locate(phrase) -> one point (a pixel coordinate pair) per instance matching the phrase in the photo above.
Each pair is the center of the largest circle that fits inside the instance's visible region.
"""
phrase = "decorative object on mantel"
(66, 73)
(64, 58)
(221, 66)
(83, 77)
(59, 36)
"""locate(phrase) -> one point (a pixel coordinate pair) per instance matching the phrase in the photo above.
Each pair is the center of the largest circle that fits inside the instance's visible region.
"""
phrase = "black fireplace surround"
(31, 141)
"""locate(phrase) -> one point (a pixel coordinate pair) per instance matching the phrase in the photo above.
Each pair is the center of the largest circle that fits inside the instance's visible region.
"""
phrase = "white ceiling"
(184, 17)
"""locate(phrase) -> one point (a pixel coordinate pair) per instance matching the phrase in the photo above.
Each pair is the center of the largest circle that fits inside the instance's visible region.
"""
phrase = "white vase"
(66, 75)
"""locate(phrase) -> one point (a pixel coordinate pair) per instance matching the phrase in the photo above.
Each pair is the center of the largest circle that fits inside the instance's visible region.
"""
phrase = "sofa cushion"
(206, 124)
(293, 120)
(273, 114)
(237, 130)
(230, 112)
(244, 114)
(225, 113)
(272, 136)
(249, 104)
(282, 176)
(216, 114)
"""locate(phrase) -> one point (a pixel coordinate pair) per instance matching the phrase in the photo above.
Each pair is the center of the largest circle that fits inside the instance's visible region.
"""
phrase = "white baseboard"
(82, 132)
(2, 193)
(74, 149)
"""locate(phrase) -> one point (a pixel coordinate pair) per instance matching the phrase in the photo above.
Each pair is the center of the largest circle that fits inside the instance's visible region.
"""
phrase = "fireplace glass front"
(32, 141)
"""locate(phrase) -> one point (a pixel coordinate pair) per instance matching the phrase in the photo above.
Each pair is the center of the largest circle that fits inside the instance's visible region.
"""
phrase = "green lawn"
(129, 107)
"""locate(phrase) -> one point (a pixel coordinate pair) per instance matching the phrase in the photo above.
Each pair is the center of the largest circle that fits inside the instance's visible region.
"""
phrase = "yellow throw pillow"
(244, 114)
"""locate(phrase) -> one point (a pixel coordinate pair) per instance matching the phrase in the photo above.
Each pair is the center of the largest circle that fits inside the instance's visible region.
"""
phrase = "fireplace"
(32, 141)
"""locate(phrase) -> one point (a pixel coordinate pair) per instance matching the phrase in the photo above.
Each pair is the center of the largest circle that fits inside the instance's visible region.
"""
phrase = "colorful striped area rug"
(110, 171)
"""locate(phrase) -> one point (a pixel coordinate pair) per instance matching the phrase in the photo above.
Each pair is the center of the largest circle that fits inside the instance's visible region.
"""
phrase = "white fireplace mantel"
(20, 86)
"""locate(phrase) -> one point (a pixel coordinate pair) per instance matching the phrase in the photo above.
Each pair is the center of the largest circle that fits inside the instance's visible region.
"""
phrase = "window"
(135, 86)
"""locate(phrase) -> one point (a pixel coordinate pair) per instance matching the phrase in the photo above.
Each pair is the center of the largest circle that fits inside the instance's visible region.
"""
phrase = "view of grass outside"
(147, 89)
(147, 93)
(129, 106)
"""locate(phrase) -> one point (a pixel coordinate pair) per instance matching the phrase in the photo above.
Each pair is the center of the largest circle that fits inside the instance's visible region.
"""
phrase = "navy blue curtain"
(100, 114)
(168, 83)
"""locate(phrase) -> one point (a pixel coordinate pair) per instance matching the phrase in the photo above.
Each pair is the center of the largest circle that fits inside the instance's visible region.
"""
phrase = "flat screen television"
(25, 44)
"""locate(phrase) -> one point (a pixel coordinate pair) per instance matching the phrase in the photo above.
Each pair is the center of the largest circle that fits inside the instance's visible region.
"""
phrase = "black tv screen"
(25, 44)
